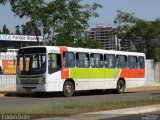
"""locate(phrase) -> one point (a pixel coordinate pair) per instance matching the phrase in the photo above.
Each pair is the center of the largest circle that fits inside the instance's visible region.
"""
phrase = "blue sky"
(145, 9)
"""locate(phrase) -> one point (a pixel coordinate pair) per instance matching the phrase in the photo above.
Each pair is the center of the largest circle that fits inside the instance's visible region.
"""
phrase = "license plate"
(28, 90)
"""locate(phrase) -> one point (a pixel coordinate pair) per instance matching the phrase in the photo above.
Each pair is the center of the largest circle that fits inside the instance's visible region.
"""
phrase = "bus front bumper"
(31, 88)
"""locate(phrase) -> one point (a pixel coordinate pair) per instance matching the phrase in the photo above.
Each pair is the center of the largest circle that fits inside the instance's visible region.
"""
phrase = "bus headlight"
(17, 80)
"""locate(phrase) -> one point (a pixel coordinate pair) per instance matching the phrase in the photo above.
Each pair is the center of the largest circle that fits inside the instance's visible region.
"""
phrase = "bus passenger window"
(132, 62)
(69, 59)
(141, 62)
(110, 61)
(121, 61)
(54, 62)
(82, 60)
(1, 72)
(96, 60)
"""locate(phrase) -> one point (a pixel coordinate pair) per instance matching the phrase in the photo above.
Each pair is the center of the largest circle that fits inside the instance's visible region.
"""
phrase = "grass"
(79, 108)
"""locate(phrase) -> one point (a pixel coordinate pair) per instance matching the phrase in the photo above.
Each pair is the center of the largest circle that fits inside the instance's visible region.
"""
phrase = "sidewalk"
(108, 114)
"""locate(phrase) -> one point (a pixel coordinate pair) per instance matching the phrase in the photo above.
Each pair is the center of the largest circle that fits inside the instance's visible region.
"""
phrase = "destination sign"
(7, 37)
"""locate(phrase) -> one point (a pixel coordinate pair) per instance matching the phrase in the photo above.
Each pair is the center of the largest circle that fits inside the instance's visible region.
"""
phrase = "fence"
(157, 72)
(8, 66)
(7, 82)
(149, 71)
(152, 72)
(8, 79)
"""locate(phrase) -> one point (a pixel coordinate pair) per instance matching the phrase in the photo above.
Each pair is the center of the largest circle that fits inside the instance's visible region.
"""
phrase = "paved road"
(31, 100)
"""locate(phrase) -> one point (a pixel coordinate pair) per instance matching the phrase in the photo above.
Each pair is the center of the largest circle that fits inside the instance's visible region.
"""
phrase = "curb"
(5, 94)
(2, 95)
(122, 112)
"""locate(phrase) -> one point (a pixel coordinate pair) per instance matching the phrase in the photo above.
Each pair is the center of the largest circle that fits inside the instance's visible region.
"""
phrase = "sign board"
(7, 37)
(9, 67)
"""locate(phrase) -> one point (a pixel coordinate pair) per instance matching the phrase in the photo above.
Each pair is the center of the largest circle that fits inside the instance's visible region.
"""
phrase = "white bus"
(68, 69)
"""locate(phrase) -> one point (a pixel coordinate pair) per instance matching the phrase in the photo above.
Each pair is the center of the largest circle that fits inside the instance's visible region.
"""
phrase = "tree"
(30, 28)
(62, 21)
(5, 30)
(88, 43)
(17, 32)
(3, 1)
(3, 49)
(72, 20)
(135, 29)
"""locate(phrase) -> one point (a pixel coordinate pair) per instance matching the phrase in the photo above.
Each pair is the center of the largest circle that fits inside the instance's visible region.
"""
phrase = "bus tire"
(120, 86)
(68, 89)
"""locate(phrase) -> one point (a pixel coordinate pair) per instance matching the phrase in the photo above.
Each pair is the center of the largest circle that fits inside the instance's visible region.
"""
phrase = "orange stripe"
(132, 73)
(64, 71)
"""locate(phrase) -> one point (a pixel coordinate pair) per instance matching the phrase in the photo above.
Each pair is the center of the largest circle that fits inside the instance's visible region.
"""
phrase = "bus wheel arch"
(68, 87)
(121, 85)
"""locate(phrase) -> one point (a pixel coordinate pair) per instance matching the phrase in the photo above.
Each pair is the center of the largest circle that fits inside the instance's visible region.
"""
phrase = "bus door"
(54, 68)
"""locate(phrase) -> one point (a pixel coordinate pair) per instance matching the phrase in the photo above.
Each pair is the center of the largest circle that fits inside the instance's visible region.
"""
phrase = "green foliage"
(17, 32)
(3, 49)
(88, 43)
(62, 21)
(5, 30)
(143, 34)
(3, 1)
(67, 20)
(30, 28)
(26, 8)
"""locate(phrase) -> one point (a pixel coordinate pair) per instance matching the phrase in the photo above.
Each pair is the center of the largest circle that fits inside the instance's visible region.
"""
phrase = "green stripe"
(91, 73)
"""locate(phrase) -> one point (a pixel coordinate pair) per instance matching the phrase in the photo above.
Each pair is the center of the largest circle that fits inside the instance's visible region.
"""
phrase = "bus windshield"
(31, 64)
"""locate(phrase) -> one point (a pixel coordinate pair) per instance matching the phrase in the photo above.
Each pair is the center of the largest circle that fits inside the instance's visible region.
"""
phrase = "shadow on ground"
(60, 94)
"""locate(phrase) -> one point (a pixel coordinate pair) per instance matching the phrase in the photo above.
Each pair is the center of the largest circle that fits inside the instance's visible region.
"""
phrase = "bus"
(68, 69)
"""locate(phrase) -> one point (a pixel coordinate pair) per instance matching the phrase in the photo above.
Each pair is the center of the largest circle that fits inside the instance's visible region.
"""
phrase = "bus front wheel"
(120, 87)
(68, 89)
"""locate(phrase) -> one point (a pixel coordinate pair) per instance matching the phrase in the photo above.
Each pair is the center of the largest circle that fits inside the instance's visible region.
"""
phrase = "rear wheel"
(120, 87)
(68, 89)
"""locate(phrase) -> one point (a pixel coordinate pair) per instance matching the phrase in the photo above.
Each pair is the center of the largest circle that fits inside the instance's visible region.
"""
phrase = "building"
(17, 41)
(105, 35)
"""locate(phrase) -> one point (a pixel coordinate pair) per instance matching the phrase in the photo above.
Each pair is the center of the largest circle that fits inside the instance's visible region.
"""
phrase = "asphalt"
(108, 115)
(30, 100)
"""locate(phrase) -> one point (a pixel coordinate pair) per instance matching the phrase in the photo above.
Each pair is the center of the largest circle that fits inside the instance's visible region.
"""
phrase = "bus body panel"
(87, 78)
(102, 78)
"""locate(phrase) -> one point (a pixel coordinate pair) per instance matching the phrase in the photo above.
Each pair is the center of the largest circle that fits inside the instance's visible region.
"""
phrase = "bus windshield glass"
(31, 61)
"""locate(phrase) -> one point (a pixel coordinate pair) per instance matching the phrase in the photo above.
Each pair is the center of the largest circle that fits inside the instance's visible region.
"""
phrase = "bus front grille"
(29, 81)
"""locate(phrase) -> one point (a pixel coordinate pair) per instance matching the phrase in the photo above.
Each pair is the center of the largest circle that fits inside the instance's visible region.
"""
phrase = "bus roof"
(88, 50)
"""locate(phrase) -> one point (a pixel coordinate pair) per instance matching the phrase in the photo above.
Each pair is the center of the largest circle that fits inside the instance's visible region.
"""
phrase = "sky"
(144, 9)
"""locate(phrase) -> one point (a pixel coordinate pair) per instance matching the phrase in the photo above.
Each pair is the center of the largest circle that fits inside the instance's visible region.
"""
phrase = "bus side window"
(121, 61)
(132, 62)
(54, 62)
(96, 60)
(69, 59)
(82, 60)
(1, 72)
(141, 62)
(110, 61)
